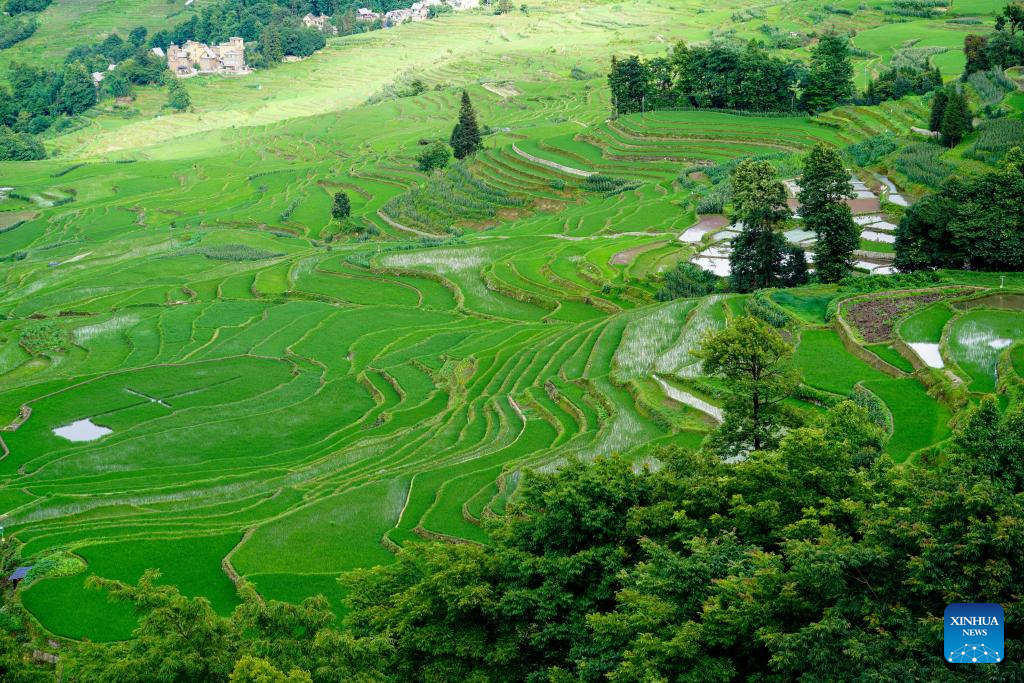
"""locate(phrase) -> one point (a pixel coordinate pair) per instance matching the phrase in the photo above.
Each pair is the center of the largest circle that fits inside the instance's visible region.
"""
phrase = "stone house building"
(193, 57)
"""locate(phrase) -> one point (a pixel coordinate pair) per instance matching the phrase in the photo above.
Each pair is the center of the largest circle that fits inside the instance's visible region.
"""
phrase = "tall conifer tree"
(466, 138)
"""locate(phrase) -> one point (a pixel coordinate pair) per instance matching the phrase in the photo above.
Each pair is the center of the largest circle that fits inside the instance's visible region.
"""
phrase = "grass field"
(290, 401)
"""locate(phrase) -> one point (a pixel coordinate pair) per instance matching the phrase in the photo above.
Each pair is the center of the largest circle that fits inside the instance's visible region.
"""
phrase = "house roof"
(19, 573)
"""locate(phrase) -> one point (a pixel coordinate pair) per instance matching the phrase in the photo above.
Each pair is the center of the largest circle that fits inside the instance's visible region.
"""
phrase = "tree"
(954, 228)
(270, 45)
(137, 36)
(794, 271)
(341, 207)
(759, 202)
(178, 98)
(939, 102)
(16, 146)
(117, 84)
(956, 119)
(824, 186)
(976, 52)
(433, 156)
(466, 138)
(829, 80)
(629, 82)
(77, 92)
(753, 359)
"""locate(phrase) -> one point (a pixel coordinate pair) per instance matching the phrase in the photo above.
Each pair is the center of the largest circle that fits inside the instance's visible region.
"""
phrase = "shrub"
(435, 156)
(870, 151)
(922, 163)
(607, 185)
(16, 146)
(687, 280)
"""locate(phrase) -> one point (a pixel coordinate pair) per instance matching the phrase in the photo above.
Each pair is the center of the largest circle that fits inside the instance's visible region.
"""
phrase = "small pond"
(82, 430)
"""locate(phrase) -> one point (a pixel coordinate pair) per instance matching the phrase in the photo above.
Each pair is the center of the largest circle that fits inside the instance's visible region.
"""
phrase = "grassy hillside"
(288, 403)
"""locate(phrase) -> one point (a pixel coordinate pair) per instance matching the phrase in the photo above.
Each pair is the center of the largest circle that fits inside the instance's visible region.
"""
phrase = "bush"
(14, 30)
(435, 156)
(16, 146)
(607, 185)
(870, 151)
(687, 280)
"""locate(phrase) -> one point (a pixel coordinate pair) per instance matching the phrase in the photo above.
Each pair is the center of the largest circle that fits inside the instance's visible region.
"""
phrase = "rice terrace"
(264, 327)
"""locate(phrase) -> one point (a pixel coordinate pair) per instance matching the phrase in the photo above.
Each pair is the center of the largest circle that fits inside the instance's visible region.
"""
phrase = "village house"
(321, 23)
(417, 12)
(193, 57)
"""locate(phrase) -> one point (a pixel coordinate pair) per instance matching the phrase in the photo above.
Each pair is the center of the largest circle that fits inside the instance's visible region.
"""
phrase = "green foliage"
(43, 339)
(956, 119)
(607, 185)
(824, 186)
(434, 156)
(15, 29)
(55, 565)
(77, 92)
(178, 98)
(753, 360)
(870, 151)
(991, 86)
(900, 81)
(466, 138)
(447, 197)
(938, 110)
(231, 252)
(687, 280)
(829, 79)
(250, 669)
(995, 138)
(922, 162)
(14, 663)
(16, 146)
(341, 206)
(759, 201)
(954, 227)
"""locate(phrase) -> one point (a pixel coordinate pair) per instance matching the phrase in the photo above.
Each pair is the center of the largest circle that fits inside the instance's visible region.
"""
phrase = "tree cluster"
(760, 257)
(901, 81)
(824, 186)
(271, 29)
(951, 116)
(1002, 48)
(725, 76)
(973, 222)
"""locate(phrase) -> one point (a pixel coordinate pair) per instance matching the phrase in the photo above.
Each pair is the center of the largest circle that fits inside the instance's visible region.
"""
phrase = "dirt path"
(552, 164)
(398, 226)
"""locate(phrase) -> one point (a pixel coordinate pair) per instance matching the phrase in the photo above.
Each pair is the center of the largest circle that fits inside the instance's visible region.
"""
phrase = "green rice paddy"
(286, 403)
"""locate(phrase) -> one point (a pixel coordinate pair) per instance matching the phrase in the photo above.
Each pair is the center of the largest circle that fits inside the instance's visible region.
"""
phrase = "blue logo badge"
(973, 633)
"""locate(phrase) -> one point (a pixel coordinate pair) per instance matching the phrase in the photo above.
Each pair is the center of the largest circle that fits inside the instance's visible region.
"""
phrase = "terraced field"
(243, 392)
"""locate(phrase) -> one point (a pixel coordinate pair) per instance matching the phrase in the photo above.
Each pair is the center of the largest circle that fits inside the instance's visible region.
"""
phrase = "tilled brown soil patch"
(874, 319)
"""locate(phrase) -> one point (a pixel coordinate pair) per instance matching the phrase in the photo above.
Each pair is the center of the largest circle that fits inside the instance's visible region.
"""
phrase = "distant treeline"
(723, 75)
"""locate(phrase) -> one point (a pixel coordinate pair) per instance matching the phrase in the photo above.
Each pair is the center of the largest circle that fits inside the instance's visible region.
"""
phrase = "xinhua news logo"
(973, 633)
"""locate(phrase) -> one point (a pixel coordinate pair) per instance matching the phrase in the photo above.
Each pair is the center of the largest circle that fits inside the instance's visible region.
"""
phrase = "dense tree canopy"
(718, 76)
(759, 202)
(824, 186)
(829, 80)
(973, 222)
